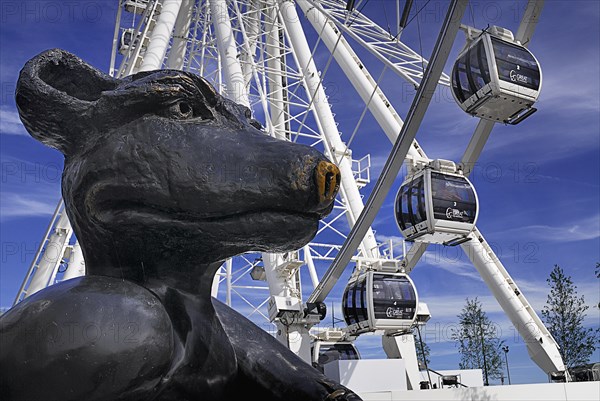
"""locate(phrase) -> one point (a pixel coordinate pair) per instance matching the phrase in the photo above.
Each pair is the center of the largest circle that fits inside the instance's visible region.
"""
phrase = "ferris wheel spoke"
(391, 51)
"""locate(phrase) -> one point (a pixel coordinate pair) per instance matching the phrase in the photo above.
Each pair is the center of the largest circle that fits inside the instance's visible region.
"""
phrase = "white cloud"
(369, 346)
(377, 163)
(445, 308)
(580, 230)
(14, 205)
(564, 89)
(396, 240)
(536, 292)
(456, 263)
(10, 124)
(29, 188)
(459, 268)
(449, 350)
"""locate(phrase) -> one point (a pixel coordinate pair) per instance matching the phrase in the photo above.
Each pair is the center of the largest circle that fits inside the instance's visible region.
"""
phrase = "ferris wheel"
(263, 54)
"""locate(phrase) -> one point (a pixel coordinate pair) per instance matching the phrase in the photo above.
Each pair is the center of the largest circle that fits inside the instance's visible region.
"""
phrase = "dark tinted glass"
(334, 352)
(516, 65)
(410, 204)
(393, 297)
(453, 198)
(460, 81)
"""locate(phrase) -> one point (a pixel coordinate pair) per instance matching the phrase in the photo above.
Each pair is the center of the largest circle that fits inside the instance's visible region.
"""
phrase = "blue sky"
(538, 182)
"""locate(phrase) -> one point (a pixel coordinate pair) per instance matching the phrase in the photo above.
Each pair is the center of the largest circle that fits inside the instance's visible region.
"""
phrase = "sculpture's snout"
(327, 179)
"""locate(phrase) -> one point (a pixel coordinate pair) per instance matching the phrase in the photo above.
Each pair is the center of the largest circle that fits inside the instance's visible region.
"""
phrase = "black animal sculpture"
(163, 179)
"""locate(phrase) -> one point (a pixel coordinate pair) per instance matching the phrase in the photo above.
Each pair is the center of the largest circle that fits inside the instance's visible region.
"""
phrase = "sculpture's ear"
(55, 94)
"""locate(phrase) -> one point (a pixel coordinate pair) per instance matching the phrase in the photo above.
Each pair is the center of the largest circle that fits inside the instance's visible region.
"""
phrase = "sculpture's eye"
(256, 124)
(181, 110)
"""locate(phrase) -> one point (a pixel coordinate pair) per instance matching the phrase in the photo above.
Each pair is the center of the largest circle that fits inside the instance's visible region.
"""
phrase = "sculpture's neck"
(182, 270)
(180, 256)
(196, 279)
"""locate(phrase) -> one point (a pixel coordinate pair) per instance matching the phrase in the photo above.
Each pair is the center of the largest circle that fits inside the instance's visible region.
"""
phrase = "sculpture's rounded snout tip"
(327, 180)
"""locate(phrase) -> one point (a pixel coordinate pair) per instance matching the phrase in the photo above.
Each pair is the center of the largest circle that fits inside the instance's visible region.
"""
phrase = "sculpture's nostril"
(327, 178)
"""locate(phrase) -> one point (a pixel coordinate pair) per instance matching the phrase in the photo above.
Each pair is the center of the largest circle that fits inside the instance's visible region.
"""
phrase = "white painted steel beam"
(541, 346)
(279, 110)
(475, 146)
(235, 85)
(161, 36)
(529, 21)
(403, 347)
(76, 267)
(176, 57)
(52, 255)
(115, 44)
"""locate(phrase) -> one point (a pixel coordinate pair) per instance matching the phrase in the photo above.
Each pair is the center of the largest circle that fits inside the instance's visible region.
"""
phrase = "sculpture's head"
(159, 165)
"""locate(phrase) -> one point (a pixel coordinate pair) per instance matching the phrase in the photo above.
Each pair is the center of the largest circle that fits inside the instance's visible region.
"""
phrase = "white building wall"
(581, 391)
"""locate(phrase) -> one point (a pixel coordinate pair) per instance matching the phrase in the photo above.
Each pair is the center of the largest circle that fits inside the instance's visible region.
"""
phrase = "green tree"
(423, 350)
(597, 272)
(563, 315)
(477, 341)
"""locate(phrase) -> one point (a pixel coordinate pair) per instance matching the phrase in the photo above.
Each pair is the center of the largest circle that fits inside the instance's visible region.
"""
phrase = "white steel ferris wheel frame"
(256, 53)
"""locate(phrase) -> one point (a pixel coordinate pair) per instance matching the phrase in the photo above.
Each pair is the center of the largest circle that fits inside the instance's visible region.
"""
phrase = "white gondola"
(496, 78)
(379, 301)
(127, 37)
(135, 6)
(437, 206)
(328, 351)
